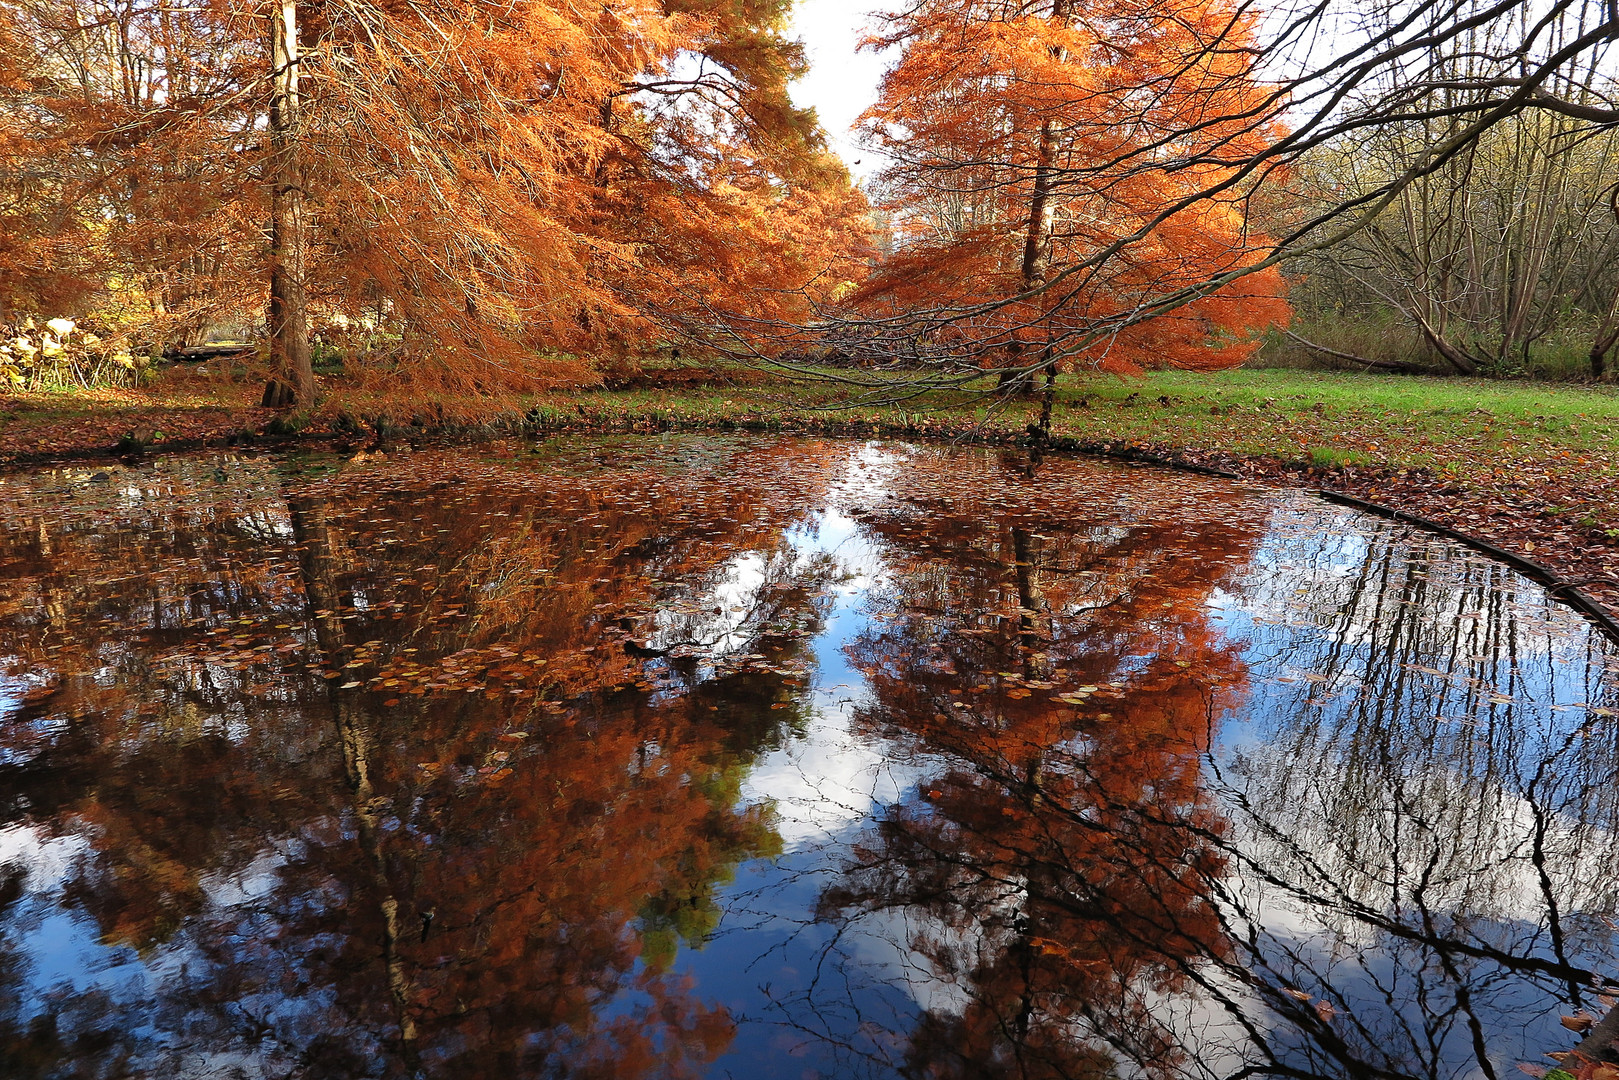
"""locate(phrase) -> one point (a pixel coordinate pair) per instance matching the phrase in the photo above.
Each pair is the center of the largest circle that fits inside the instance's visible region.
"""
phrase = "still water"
(781, 758)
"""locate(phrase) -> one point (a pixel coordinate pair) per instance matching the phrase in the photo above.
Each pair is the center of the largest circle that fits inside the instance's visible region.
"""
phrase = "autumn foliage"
(1058, 169)
(481, 197)
(491, 193)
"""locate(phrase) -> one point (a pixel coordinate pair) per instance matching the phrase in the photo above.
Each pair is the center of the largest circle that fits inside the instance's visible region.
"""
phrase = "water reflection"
(780, 757)
(1055, 864)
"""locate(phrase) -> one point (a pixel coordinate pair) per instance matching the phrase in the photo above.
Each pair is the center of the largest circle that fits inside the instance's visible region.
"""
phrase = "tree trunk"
(293, 378)
(1607, 336)
(1042, 214)
(1037, 243)
(1048, 396)
(1452, 355)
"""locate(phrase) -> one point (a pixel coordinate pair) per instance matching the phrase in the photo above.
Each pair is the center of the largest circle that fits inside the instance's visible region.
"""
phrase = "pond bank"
(1527, 469)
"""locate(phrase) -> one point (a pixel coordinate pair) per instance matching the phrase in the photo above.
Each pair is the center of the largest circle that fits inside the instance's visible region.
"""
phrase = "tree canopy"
(496, 190)
(506, 194)
(1016, 132)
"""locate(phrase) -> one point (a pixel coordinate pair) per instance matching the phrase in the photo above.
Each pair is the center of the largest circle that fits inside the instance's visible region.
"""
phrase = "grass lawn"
(1465, 431)
(1390, 420)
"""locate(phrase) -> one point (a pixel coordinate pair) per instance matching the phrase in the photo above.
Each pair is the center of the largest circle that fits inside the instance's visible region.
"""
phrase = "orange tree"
(1053, 170)
(493, 192)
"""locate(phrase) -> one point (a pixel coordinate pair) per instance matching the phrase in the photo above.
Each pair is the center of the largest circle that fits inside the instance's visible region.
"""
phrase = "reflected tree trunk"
(1032, 605)
(317, 566)
(1030, 597)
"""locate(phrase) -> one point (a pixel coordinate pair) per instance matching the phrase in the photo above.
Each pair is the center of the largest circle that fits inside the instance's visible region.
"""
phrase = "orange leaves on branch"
(494, 193)
(562, 182)
(1058, 171)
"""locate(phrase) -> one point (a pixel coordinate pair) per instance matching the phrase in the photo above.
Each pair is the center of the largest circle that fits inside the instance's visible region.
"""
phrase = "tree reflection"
(328, 876)
(437, 766)
(1430, 795)
(1061, 848)
(1401, 867)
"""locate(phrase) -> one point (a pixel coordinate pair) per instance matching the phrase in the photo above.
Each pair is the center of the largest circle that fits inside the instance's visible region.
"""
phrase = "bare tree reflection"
(1405, 855)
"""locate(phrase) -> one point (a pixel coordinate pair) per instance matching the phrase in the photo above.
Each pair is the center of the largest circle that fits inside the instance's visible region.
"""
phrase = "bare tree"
(1495, 249)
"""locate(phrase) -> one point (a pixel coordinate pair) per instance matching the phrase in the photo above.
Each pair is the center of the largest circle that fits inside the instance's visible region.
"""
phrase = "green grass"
(1541, 437)
(1388, 393)
(1468, 431)
(1384, 419)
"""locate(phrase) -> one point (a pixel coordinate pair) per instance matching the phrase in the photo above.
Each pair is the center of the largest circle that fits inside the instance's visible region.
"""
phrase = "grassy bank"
(1461, 431)
(1532, 467)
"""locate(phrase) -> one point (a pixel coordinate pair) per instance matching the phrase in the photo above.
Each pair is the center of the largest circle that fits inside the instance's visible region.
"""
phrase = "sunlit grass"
(1470, 431)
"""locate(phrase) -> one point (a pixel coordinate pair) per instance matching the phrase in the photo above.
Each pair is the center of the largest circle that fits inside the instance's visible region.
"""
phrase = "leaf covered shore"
(1529, 467)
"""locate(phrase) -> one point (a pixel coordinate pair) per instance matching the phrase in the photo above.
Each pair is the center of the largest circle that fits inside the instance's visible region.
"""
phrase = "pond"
(756, 757)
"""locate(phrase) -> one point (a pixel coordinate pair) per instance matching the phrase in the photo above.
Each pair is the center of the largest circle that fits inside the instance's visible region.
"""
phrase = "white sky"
(841, 82)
